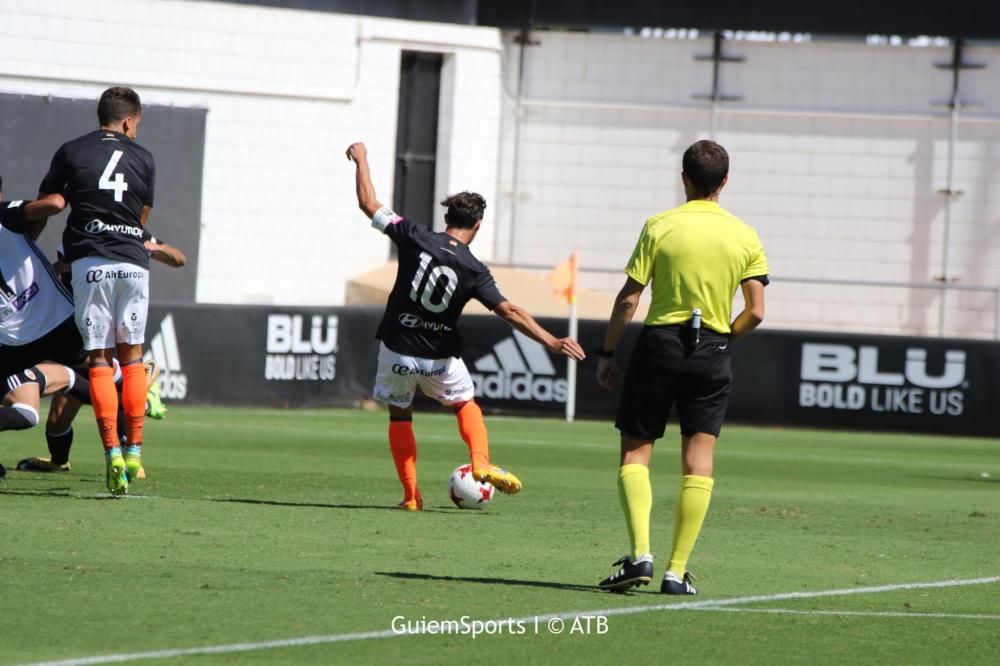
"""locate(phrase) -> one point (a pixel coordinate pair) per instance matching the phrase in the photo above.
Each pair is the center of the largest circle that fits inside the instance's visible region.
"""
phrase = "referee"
(695, 256)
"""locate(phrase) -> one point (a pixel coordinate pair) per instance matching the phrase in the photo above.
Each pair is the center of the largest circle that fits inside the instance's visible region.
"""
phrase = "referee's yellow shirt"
(695, 256)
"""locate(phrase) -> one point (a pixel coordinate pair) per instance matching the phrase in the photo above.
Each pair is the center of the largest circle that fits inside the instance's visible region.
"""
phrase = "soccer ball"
(466, 492)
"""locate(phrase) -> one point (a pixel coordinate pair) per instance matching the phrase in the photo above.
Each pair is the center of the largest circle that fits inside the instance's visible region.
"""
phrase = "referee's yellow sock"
(637, 502)
(696, 492)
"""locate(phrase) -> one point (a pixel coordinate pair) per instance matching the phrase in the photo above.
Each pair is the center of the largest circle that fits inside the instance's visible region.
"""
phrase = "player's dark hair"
(117, 104)
(464, 209)
(706, 164)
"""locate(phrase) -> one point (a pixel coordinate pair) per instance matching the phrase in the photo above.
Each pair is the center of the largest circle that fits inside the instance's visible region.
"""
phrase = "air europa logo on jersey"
(166, 352)
(96, 226)
(519, 369)
(298, 352)
(836, 376)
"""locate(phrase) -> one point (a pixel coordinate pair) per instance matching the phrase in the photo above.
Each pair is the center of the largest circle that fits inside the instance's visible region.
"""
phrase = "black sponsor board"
(301, 356)
(929, 385)
(267, 356)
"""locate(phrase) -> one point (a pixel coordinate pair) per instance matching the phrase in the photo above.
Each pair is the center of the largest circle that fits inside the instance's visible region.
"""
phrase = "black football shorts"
(60, 345)
(668, 369)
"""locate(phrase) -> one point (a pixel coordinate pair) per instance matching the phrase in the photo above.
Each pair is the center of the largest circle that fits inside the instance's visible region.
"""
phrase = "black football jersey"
(437, 276)
(106, 178)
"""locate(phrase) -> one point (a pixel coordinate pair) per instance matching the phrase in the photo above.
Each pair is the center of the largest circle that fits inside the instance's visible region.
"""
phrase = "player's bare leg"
(59, 379)
(403, 445)
(472, 428)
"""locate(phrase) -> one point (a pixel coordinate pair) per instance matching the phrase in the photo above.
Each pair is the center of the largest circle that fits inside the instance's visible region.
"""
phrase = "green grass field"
(267, 525)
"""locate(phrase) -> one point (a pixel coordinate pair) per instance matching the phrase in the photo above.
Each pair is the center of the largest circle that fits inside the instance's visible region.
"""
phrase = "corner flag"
(563, 279)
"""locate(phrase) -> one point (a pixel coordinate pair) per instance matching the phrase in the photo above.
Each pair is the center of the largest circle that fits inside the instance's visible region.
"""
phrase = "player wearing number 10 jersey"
(107, 179)
(420, 343)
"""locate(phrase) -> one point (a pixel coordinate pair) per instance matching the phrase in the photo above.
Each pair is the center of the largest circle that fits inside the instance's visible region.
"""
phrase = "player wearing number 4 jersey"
(420, 343)
(107, 179)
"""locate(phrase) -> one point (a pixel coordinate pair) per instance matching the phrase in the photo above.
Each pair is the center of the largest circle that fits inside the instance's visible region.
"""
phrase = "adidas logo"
(518, 369)
(164, 350)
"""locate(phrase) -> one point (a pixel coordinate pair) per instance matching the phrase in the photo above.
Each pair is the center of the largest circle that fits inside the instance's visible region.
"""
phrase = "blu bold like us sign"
(845, 377)
(301, 351)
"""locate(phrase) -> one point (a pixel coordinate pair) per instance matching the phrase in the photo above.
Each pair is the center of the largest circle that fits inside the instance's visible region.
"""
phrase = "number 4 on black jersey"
(107, 178)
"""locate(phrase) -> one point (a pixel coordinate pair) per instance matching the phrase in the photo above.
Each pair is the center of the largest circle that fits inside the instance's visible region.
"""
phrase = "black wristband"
(603, 353)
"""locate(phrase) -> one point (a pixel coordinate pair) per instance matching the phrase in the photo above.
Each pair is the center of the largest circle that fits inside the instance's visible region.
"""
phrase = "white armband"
(383, 217)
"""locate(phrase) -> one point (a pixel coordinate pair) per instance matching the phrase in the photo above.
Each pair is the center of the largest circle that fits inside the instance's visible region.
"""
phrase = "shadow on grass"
(492, 581)
(65, 493)
(313, 505)
(965, 478)
(68, 493)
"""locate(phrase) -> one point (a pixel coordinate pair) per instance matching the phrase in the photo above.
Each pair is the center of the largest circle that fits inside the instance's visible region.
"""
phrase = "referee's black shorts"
(666, 369)
(62, 344)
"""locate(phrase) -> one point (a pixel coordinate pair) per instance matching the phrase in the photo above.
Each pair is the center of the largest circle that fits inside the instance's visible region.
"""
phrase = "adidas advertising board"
(518, 368)
(212, 354)
(164, 349)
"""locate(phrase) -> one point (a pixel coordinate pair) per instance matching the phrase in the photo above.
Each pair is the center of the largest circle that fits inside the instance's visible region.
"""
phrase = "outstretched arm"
(363, 180)
(522, 320)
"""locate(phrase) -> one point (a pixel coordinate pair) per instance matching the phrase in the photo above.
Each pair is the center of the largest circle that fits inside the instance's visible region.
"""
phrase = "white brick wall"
(837, 158)
(837, 152)
(286, 92)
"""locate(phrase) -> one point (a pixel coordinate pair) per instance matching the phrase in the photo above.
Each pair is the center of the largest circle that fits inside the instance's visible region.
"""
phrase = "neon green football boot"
(155, 409)
(133, 463)
(116, 477)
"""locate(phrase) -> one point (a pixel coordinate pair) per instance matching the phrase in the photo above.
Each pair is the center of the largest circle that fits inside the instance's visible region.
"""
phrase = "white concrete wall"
(837, 158)
(286, 92)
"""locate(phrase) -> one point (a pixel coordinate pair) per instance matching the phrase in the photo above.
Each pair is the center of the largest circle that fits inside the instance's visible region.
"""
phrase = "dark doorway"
(416, 136)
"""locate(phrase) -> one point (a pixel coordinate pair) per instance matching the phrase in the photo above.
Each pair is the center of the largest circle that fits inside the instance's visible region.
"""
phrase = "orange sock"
(403, 445)
(472, 428)
(105, 401)
(134, 400)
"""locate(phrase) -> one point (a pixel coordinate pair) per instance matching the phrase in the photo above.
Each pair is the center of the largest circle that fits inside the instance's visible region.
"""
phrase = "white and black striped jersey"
(33, 301)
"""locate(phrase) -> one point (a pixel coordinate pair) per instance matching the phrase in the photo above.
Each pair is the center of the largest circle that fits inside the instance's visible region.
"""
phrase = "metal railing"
(943, 287)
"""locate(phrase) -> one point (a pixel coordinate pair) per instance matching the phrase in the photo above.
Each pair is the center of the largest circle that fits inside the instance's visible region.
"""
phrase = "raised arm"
(363, 180)
(522, 320)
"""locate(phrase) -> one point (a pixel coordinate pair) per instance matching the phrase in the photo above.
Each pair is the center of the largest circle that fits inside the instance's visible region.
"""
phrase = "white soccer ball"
(466, 492)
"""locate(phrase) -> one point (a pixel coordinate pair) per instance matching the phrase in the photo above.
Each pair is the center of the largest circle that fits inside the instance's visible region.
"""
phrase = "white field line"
(708, 604)
(918, 614)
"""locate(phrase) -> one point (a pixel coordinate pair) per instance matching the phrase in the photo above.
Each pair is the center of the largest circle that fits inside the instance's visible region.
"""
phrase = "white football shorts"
(446, 380)
(112, 302)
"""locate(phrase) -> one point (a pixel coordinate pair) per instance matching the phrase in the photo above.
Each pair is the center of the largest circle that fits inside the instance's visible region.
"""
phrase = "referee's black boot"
(672, 584)
(631, 574)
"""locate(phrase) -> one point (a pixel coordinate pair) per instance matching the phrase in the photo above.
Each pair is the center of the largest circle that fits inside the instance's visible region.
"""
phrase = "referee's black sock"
(59, 445)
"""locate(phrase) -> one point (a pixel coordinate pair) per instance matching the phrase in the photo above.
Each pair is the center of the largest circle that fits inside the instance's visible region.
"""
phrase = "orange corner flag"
(563, 279)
